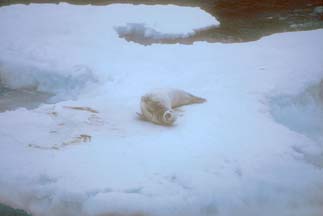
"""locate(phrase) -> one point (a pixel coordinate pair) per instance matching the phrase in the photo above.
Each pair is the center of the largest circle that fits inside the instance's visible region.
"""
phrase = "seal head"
(169, 117)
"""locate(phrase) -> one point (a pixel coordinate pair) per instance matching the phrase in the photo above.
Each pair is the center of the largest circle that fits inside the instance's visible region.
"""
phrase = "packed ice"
(243, 152)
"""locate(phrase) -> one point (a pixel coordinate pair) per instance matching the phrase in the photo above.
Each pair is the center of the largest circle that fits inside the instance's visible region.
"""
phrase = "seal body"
(157, 106)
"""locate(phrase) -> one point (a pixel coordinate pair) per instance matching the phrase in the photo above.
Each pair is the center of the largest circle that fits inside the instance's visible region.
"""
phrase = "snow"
(228, 156)
(47, 48)
(302, 112)
(140, 30)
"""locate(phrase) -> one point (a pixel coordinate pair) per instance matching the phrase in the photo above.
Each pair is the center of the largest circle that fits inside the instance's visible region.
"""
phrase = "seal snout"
(169, 117)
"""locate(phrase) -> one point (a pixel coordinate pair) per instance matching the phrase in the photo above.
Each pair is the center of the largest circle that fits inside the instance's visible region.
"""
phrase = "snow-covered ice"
(88, 154)
(142, 32)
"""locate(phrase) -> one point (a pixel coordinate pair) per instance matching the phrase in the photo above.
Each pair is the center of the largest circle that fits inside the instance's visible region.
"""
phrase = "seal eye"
(168, 116)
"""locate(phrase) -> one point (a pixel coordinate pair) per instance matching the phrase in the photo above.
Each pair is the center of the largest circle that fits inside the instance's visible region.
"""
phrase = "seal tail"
(196, 99)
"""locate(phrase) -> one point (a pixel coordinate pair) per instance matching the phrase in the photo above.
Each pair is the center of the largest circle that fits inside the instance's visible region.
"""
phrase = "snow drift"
(302, 113)
(40, 78)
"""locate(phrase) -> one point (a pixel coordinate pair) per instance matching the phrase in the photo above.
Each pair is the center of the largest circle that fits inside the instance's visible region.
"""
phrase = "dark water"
(8, 211)
(241, 20)
(246, 24)
(11, 99)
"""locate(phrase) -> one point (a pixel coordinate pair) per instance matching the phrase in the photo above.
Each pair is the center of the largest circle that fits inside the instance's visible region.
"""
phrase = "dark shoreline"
(241, 20)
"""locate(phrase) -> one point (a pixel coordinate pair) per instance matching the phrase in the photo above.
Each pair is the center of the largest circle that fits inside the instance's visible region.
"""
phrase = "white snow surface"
(225, 157)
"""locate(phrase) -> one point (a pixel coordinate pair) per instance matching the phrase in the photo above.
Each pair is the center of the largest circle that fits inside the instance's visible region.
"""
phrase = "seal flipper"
(196, 99)
(188, 99)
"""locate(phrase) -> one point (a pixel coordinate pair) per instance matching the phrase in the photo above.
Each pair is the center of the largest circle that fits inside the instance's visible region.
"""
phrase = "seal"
(157, 106)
